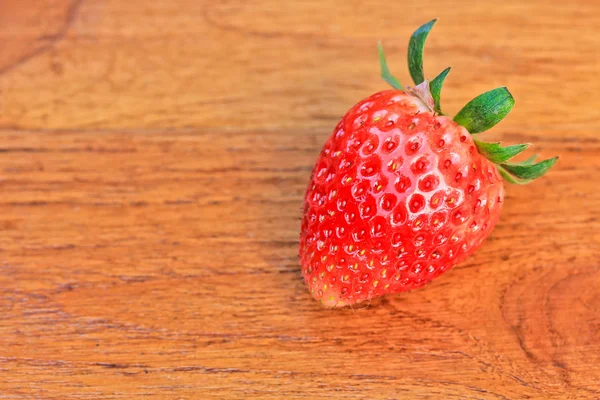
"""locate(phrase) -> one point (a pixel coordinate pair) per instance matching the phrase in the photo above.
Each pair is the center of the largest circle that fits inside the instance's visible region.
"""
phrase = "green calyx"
(526, 171)
(485, 110)
(385, 71)
(435, 86)
(416, 45)
(478, 115)
(498, 154)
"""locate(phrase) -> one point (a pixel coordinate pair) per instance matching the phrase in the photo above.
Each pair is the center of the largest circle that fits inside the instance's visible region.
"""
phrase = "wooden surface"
(153, 159)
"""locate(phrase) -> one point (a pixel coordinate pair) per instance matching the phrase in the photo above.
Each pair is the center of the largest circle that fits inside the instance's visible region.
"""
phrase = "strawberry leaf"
(385, 71)
(509, 178)
(435, 87)
(485, 110)
(529, 161)
(498, 154)
(524, 172)
(415, 52)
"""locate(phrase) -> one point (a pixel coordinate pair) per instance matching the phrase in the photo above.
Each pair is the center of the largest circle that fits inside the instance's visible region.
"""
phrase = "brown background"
(153, 158)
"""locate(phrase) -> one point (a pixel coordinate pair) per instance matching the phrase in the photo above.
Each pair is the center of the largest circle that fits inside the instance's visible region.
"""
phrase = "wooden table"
(153, 159)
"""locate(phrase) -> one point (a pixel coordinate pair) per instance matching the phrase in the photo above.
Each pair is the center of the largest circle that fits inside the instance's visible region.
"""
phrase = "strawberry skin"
(397, 196)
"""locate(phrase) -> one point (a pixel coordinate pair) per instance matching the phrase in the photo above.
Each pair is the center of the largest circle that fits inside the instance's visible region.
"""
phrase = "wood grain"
(153, 158)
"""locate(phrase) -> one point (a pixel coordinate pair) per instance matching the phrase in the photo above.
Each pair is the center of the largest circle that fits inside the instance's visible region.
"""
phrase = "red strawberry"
(401, 193)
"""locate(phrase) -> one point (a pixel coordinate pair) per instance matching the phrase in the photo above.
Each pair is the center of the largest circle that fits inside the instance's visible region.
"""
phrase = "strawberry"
(400, 192)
